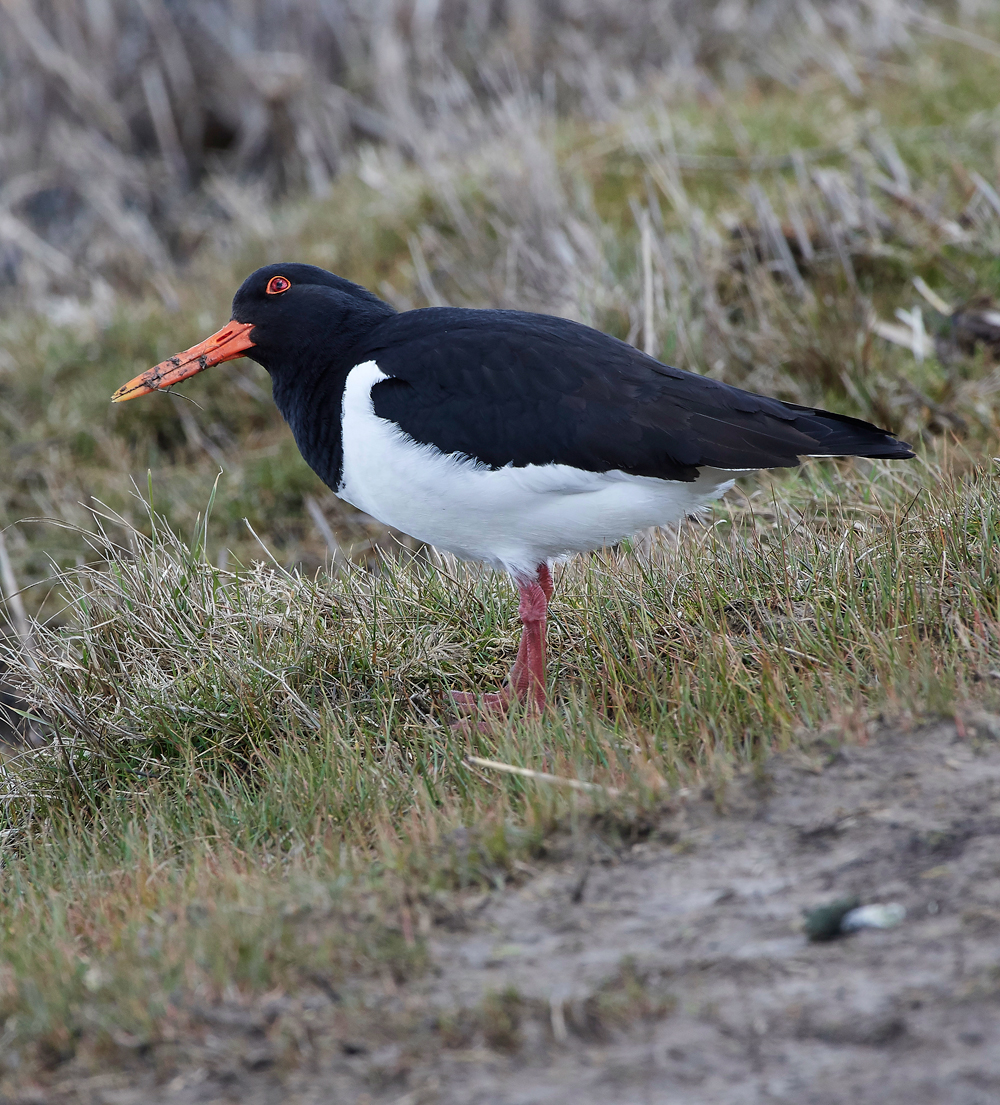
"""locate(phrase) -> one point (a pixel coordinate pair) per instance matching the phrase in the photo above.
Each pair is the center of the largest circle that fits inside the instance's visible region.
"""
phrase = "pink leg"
(530, 681)
(527, 677)
(518, 677)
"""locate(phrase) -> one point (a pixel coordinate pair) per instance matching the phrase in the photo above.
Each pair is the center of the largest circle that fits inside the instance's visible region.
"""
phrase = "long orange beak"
(233, 340)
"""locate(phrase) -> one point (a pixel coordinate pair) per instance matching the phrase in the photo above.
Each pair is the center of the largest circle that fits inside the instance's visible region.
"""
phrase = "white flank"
(514, 518)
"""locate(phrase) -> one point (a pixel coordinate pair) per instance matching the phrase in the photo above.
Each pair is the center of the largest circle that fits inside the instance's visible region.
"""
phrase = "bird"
(501, 436)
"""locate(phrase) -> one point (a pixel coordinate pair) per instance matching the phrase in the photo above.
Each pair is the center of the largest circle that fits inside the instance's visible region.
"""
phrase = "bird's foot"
(468, 702)
(483, 712)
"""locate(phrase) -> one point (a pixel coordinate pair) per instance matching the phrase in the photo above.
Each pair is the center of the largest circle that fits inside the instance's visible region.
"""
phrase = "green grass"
(255, 781)
(843, 582)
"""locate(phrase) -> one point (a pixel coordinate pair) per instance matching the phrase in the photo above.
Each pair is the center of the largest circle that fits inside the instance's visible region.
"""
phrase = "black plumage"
(512, 388)
(505, 387)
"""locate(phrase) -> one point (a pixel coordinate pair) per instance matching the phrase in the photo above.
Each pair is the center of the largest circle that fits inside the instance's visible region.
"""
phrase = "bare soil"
(673, 969)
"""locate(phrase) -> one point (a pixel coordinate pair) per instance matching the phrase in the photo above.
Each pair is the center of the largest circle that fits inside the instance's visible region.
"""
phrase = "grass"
(254, 785)
(728, 629)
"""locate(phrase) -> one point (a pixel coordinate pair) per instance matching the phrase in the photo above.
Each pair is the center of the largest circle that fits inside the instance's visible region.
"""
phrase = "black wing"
(505, 387)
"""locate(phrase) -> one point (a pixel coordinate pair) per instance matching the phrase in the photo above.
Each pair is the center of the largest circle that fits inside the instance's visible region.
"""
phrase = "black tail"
(838, 435)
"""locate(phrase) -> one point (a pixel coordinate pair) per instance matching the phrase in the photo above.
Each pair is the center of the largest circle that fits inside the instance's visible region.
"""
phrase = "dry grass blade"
(12, 598)
(542, 776)
(954, 34)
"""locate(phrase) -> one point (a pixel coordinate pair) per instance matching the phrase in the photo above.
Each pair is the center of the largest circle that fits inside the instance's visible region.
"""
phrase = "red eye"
(278, 284)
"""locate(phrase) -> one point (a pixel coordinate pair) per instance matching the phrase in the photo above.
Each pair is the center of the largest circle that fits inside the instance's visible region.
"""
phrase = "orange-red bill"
(233, 340)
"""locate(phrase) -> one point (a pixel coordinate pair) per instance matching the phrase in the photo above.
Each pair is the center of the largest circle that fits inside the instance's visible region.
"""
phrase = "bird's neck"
(309, 392)
(309, 398)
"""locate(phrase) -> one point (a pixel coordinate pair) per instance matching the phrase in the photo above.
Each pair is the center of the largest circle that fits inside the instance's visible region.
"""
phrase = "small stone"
(823, 922)
(873, 917)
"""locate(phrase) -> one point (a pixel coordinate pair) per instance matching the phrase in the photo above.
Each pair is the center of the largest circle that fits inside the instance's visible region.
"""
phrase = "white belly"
(514, 518)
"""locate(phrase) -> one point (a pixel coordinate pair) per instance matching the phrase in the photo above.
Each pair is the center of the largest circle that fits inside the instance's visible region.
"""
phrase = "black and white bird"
(501, 436)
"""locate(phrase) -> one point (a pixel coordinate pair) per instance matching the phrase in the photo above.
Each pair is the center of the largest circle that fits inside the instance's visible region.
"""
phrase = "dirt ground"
(673, 970)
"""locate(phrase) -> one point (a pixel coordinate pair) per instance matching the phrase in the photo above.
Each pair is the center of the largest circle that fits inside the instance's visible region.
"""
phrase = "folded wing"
(505, 387)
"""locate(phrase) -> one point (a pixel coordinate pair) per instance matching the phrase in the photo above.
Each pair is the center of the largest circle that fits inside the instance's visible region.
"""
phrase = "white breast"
(514, 518)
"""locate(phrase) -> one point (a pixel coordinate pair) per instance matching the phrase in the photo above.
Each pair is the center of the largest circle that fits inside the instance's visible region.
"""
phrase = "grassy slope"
(259, 781)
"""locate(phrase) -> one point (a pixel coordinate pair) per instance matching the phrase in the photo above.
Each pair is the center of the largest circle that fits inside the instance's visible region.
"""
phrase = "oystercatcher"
(501, 436)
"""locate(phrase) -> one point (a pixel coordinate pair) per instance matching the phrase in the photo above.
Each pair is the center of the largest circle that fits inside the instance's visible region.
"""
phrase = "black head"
(298, 321)
(300, 313)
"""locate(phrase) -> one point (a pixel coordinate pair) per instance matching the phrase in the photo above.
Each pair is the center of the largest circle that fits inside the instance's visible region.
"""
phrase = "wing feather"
(509, 388)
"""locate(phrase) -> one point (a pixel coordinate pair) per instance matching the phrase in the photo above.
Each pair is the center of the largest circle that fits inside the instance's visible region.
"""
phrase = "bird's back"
(512, 388)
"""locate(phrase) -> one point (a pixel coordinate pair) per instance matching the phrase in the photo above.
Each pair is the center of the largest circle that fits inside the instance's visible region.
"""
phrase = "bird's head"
(282, 315)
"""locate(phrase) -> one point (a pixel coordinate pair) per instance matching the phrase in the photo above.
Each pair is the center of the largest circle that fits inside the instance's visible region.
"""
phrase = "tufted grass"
(842, 581)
